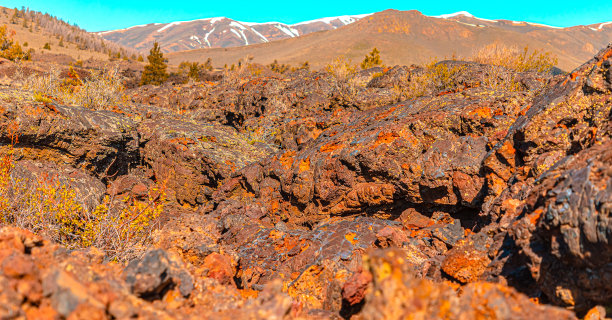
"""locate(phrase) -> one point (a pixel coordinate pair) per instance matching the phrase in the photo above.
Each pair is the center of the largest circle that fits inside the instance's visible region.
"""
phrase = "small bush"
(341, 68)
(279, 67)
(433, 77)
(515, 58)
(194, 70)
(235, 73)
(119, 227)
(47, 46)
(100, 90)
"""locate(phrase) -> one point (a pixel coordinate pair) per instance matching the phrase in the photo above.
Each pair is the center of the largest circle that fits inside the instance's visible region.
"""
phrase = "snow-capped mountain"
(218, 32)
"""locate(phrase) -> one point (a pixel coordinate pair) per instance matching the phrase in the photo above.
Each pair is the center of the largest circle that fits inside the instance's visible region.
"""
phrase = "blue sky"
(98, 15)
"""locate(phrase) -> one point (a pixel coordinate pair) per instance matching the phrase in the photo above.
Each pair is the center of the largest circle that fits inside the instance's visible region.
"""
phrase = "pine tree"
(371, 60)
(155, 71)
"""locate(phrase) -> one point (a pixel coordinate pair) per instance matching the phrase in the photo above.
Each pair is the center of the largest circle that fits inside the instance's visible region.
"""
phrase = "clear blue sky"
(98, 15)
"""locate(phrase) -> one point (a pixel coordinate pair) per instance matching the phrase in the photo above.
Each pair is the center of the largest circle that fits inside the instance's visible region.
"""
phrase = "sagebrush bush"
(102, 89)
(119, 227)
(433, 77)
(236, 73)
(515, 58)
(341, 68)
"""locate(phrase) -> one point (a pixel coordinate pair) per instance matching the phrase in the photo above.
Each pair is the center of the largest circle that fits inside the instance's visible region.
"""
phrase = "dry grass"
(341, 68)
(347, 86)
(119, 227)
(514, 58)
(102, 89)
(433, 77)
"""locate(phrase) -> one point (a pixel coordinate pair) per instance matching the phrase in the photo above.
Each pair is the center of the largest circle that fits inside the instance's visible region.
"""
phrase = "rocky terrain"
(310, 195)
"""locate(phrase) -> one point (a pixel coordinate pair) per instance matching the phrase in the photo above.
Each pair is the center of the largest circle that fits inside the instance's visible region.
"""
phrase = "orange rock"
(220, 267)
(86, 311)
(18, 265)
(354, 290)
(596, 313)
(465, 263)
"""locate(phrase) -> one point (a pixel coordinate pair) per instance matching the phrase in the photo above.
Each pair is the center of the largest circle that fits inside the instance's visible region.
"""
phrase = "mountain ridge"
(218, 32)
(407, 37)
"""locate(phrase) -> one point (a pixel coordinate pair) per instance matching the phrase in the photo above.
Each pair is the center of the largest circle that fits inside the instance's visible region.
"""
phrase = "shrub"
(235, 73)
(515, 58)
(371, 60)
(433, 77)
(279, 67)
(100, 90)
(341, 68)
(191, 70)
(47, 46)
(10, 49)
(155, 71)
(120, 227)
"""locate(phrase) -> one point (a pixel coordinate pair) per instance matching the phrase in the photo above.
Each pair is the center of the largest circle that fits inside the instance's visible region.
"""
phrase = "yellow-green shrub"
(46, 206)
(341, 68)
(514, 58)
(434, 77)
(10, 49)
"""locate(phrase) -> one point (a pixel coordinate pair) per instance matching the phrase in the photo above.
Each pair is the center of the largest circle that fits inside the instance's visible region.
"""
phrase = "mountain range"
(219, 32)
(403, 37)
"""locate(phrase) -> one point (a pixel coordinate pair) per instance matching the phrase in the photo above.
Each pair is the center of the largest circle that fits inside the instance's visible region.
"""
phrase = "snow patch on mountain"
(208, 34)
(348, 19)
(603, 24)
(451, 15)
(289, 31)
(260, 35)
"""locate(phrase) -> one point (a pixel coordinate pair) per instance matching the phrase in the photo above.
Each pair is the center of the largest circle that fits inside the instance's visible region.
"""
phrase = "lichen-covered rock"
(104, 143)
(31, 174)
(192, 158)
(426, 152)
(395, 293)
(566, 229)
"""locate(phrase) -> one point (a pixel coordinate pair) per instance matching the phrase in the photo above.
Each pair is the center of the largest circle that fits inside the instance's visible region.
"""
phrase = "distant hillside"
(218, 32)
(406, 37)
(35, 29)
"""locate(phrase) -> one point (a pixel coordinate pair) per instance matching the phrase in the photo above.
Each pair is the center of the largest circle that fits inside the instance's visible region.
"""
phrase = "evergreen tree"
(155, 71)
(371, 60)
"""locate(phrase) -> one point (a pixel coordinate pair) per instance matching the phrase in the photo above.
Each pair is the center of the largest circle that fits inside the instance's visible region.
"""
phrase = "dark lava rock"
(154, 274)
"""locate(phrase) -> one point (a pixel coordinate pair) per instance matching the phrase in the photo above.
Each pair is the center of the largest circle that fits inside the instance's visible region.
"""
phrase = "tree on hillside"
(155, 71)
(10, 49)
(371, 60)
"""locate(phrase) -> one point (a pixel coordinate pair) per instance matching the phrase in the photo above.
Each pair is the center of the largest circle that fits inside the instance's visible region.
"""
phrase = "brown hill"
(406, 37)
(34, 29)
